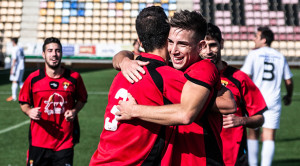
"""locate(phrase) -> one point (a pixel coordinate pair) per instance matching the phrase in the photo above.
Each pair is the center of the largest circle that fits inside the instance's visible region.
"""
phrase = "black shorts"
(48, 157)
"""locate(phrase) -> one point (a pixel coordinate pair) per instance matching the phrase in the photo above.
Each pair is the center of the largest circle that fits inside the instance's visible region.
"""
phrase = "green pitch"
(14, 124)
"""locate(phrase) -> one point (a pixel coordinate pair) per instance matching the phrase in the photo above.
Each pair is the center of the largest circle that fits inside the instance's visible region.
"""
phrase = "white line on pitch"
(14, 127)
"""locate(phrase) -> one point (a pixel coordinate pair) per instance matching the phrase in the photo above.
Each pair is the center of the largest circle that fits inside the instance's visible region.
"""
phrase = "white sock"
(21, 85)
(267, 152)
(253, 147)
(14, 89)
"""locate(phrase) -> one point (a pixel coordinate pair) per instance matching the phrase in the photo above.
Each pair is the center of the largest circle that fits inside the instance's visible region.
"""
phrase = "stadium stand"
(109, 25)
(239, 19)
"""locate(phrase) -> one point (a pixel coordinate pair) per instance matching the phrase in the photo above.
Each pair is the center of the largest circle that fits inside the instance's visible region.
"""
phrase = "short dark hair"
(51, 40)
(214, 32)
(190, 20)
(152, 28)
(15, 40)
(266, 33)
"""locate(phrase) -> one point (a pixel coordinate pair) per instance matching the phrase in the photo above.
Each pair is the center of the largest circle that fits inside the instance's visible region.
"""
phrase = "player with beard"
(51, 98)
(250, 102)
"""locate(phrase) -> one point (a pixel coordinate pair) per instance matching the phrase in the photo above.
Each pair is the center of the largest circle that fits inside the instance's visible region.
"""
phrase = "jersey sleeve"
(287, 74)
(254, 101)
(248, 64)
(204, 73)
(81, 90)
(25, 92)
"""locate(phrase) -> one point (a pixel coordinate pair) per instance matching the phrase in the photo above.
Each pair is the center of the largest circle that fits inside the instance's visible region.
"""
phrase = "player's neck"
(54, 73)
(163, 52)
(220, 65)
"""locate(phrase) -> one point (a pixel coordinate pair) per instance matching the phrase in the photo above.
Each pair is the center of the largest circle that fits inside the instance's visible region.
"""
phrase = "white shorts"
(272, 117)
(17, 76)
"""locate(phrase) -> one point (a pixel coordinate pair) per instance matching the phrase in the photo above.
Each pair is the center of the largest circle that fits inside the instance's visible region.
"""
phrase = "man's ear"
(43, 54)
(201, 45)
(222, 44)
(264, 40)
(138, 39)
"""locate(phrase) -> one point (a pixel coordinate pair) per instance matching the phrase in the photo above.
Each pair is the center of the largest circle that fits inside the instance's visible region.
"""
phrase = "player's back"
(267, 72)
(134, 142)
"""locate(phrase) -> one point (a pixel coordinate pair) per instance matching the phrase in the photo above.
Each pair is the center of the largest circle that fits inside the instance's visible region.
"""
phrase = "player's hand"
(232, 120)
(131, 69)
(287, 100)
(126, 109)
(70, 115)
(34, 113)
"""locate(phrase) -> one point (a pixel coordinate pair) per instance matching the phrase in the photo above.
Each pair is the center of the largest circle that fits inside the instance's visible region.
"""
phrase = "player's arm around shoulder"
(131, 69)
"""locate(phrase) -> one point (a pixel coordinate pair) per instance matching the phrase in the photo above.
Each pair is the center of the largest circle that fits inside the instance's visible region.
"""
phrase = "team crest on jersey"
(66, 85)
(224, 83)
(31, 162)
(55, 104)
(53, 85)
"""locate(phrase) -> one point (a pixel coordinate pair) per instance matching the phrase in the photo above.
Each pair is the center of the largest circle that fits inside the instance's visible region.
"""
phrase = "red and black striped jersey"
(54, 96)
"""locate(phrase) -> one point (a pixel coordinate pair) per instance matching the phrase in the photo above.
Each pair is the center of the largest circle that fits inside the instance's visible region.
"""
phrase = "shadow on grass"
(289, 162)
(4, 74)
(287, 140)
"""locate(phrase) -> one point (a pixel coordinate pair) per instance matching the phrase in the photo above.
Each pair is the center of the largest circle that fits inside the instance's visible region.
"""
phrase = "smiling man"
(198, 141)
(52, 98)
(249, 101)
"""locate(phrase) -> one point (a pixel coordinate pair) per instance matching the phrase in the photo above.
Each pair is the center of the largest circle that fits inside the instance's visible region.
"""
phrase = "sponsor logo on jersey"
(224, 83)
(66, 85)
(53, 85)
(55, 104)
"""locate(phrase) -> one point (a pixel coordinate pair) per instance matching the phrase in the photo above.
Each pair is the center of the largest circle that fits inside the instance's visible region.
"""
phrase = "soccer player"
(198, 94)
(138, 142)
(52, 98)
(250, 102)
(267, 67)
(17, 69)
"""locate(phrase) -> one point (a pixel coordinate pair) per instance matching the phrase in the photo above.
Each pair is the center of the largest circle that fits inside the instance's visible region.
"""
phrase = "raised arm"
(131, 69)
(289, 85)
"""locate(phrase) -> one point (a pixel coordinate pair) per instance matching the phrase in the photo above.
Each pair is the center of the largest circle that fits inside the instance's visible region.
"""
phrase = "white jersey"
(267, 67)
(17, 54)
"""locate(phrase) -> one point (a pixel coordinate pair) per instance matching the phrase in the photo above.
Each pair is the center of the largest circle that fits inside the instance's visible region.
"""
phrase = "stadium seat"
(111, 35)
(103, 35)
(49, 27)
(88, 27)
(95, 35)
(41, 27)
(96, 27)
(103, 27)
(80, 35)
(80, 27)
(48, 34)
(119, 27)
(56, 34)
(41, 34)
(111, 27)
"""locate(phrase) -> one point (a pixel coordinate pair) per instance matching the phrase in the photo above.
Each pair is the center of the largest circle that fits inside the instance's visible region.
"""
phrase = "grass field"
(14, 141)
